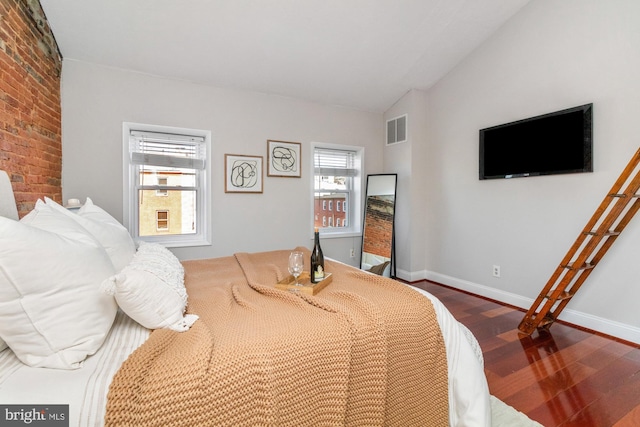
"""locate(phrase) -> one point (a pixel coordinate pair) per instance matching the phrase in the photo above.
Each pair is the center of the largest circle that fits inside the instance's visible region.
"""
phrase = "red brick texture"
(378, 227)
(30, 111)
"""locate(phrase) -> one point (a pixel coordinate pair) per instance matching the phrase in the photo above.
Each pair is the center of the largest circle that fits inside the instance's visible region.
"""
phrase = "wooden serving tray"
(287, 284)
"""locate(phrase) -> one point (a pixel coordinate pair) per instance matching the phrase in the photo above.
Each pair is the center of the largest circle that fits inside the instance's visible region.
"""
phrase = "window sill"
(338, 234)
(176, 243)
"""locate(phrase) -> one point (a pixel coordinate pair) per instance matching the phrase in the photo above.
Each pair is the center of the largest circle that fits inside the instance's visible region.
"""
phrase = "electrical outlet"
(352, 254)
(496, 271)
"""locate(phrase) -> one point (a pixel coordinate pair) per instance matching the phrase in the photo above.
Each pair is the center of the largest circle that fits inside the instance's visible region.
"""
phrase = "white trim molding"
(605, 326)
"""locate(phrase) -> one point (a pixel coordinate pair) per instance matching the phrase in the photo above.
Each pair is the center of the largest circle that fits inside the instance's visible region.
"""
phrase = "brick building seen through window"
(330, 211)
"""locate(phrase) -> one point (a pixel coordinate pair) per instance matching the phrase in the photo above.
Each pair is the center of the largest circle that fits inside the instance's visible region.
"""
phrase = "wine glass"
(296, 264)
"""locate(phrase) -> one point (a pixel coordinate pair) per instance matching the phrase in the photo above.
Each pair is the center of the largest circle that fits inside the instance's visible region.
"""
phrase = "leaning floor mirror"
(378, 241)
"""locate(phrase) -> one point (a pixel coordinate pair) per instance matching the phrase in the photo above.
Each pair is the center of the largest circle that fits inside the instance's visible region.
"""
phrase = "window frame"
(202, 237)
(353, 215)
(162, 192)
(158, 220)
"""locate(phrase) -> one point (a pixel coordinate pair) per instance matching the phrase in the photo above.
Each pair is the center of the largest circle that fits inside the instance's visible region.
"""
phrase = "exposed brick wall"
(30, 112)
(378, 227)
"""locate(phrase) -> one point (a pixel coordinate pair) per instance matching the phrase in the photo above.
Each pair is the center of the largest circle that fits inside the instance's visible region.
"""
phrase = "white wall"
(408, 160)
(96, 101)
(552, 55)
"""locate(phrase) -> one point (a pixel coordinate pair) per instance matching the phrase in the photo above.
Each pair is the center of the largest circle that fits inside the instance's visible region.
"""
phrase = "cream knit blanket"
(365, 351)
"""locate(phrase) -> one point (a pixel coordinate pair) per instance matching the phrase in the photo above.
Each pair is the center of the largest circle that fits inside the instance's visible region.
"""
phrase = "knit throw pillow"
(151, 289)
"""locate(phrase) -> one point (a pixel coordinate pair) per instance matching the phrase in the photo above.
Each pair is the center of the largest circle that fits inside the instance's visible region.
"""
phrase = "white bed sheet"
(469, 398)
(85, 389)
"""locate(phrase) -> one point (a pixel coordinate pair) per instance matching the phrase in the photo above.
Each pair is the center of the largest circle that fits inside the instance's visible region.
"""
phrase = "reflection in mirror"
(378, 242)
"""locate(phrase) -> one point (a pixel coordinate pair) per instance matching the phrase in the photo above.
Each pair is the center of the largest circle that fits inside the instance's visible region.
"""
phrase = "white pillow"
(151, 289)
(53, 313)
(89, 210)
(3, 345)
(107, 230)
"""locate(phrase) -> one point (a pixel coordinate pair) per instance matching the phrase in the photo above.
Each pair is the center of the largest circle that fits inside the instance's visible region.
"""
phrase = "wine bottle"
(317, 260)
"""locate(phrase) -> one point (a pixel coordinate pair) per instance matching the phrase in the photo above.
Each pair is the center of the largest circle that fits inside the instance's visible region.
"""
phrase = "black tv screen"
(554, 143)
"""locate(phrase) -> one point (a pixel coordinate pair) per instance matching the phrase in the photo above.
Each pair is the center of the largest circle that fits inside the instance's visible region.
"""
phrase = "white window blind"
(330, 162)
(167, 150)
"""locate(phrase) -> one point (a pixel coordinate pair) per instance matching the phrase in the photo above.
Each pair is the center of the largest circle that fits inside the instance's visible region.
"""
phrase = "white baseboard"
(615, 329)
(411, 276)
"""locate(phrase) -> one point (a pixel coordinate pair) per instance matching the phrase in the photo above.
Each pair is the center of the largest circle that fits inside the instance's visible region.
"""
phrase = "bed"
(127, 335)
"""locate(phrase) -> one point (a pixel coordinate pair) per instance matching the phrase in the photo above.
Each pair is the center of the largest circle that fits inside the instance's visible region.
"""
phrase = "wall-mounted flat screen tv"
(555, 143)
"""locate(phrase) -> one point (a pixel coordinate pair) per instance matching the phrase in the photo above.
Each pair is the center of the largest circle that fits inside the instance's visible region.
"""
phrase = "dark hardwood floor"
(564, 377)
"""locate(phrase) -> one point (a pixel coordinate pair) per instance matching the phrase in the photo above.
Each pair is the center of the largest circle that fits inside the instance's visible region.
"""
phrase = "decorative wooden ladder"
(606, 224)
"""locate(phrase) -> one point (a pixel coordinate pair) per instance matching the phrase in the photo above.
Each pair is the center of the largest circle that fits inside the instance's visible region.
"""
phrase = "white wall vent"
(397, 130)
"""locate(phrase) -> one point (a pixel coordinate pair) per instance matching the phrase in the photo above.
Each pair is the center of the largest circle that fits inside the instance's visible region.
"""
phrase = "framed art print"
(283, 159)
(243, 174)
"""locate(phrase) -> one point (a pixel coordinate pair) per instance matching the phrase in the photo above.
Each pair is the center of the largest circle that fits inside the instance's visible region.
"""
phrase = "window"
(337, 179)
(162, 220)
(162, 181)
(172, 163)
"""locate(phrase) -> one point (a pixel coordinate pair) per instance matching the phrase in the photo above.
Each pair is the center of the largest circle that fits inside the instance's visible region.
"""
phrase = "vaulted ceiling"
(364, 54)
